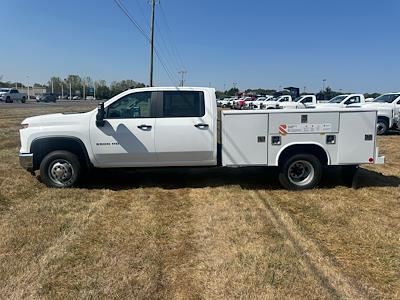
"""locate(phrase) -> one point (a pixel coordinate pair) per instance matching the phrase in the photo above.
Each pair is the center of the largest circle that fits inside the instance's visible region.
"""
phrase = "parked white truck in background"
(170, 126)
(341, 101)
(258, 103)
(10, 95)
(301, 102)
(388, 107)
(276, 102)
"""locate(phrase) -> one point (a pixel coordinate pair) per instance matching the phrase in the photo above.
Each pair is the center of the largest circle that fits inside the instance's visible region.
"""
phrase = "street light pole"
(153, 6)
(70, 91)
(28, 85)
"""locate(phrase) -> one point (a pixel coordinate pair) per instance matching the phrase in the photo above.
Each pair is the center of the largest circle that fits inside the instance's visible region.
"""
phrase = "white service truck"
(171, 126)
(10, 95)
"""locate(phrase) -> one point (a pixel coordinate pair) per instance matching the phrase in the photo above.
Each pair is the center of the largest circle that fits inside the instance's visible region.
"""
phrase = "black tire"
(300, 165)
(349, 175)
(60, 169)
(382, 126)
(8, 100)
(23, 100)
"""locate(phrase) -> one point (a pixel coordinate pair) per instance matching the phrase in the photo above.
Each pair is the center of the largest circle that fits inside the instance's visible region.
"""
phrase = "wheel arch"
(305, 148)
(42, 146)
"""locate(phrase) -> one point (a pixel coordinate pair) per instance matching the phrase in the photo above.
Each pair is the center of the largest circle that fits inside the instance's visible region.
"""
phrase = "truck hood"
(60, 119)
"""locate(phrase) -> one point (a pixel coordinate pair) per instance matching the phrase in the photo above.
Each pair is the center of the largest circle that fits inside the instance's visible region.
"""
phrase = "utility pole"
(182, 73)
(28, 85)
(52, 87)
(94, 90)
(84, 90)
(70, 91)
(153, 7)
(62, 91)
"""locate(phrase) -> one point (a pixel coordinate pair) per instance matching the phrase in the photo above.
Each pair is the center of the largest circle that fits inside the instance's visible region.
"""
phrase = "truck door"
(184, 133)
(127, 137)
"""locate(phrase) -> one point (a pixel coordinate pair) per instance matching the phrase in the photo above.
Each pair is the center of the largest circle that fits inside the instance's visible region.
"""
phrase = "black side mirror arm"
(100, 115)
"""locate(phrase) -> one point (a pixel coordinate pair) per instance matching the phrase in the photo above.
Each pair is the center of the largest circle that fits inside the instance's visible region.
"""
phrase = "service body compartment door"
(244, 139)
(357, 137)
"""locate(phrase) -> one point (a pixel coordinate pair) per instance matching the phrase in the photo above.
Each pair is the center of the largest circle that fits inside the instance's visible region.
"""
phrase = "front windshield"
(4, 90)
(337, 99)
(388, 98)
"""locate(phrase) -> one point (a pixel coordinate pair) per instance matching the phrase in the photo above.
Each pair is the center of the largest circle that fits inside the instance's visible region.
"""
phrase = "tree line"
(80, 86)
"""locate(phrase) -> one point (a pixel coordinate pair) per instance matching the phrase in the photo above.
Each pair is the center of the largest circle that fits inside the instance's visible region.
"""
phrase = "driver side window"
(135, 105)
(355, 99)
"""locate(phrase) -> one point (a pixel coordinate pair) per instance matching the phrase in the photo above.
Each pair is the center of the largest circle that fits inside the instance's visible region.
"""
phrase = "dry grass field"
(196, 233)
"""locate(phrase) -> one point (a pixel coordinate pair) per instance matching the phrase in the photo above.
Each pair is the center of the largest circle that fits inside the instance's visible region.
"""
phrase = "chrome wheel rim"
(380, 128)
(61, 172)
(301, 172)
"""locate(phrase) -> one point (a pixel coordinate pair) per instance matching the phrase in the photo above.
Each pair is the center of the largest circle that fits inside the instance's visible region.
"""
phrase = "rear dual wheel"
(300, 172)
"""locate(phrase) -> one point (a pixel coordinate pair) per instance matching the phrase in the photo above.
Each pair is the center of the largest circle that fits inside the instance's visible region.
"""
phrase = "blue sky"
(354, 44)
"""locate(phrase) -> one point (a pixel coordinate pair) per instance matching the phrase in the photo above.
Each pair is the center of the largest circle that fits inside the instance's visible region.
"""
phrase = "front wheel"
(23, 100)
(381, 126)
(60, 169)
(300, 172)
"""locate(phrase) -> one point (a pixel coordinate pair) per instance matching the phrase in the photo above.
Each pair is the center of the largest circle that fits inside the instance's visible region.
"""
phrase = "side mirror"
(100, 115)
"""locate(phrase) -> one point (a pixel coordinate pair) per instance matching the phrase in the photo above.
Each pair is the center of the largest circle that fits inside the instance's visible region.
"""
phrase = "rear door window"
(178, 104)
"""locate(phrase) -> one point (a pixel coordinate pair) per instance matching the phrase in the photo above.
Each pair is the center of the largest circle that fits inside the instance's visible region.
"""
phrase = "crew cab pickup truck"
(342, 101)
(301, 102)
(388, 107)
(10, 95)
(171, 126)
(276, 102)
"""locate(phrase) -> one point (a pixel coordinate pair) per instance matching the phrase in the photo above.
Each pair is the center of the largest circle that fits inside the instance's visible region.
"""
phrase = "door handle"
(201, 125)
(144, 127)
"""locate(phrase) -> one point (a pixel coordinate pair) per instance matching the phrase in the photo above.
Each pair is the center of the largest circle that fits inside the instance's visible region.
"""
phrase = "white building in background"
(33, 90)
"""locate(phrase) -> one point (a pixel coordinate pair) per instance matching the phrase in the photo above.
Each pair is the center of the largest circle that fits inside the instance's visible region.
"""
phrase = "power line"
(169, 31)
(134, 22)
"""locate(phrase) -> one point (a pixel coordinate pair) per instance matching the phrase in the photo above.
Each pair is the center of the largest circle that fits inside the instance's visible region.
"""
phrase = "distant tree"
(373, 95)
(232, 92)
(56, 82)
(102, 90)
(220, 95)
(117, 87)
(76, 83)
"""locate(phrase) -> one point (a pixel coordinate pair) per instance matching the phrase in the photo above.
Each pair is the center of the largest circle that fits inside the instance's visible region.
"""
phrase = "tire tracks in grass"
(27, 283)
(175, 244)
(319, 264)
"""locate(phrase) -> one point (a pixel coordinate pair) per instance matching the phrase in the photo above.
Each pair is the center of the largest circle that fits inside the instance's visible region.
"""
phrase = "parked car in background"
(33, 97)
(388, 107)
(224, 102)
(10, 95)
(257, 103)
(276, 102)
(76, 98)
(240, 104)
(49, 97)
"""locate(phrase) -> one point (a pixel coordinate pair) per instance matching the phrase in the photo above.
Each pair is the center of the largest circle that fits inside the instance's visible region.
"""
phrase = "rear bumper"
(379, 159)
(26, 161)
